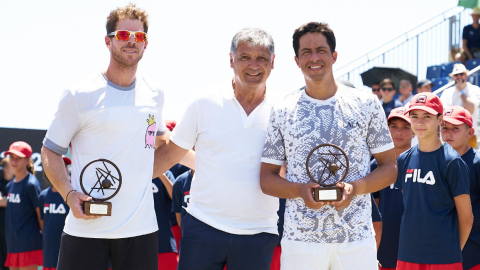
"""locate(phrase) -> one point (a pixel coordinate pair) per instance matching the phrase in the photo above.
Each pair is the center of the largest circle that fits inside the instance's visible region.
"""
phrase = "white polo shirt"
(101, 120)
(452, 97)
(225, 191)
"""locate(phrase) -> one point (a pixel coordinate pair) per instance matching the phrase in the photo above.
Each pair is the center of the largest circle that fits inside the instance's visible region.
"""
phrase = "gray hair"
(254, 37)
(407, 81)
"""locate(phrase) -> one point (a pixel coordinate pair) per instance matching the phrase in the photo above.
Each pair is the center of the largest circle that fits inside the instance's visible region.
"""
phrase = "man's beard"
(116, 54)
(460, 81)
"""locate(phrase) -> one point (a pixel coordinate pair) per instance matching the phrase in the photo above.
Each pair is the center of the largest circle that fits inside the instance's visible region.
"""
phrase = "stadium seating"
(472, 63)
(434, 72)
(439, 82)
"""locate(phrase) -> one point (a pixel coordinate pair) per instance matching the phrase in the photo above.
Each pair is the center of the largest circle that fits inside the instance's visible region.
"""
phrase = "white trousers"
(357, 255)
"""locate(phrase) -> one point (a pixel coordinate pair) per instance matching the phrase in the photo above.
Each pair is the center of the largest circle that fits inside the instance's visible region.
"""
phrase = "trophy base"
(97, 208)
(327, 194)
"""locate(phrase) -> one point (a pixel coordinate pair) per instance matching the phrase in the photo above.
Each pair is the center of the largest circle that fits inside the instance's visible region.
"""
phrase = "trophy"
(104, 180)
(327, 165)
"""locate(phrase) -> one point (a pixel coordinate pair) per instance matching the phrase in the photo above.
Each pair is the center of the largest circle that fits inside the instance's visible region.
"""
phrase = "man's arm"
(166, 156)
(465, 49)
(465, 217)
(274, 185)
(382, 177)
(54, 168)
(377, 227)
(468, 103)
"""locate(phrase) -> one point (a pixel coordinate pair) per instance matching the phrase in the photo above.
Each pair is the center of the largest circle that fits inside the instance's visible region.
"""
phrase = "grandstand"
(426, 50)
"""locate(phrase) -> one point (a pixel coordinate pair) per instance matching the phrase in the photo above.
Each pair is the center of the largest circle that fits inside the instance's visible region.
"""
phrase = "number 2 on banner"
(37, 162)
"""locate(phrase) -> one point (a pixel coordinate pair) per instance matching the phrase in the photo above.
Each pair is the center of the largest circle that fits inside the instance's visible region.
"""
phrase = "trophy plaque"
(100, 179)
(327, 165)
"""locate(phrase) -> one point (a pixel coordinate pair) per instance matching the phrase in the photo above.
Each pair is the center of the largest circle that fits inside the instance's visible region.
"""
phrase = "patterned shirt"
(353, 120)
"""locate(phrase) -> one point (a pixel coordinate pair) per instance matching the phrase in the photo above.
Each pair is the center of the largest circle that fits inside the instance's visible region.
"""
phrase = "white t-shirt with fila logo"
(353, 120)
(430, 181)
(101, 120)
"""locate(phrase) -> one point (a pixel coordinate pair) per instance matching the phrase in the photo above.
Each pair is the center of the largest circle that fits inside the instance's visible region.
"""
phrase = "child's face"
(456, 136)
(425, 125)
(401, 132)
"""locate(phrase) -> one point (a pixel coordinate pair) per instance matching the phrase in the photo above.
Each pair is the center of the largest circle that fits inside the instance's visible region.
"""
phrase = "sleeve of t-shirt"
(33, 190)
(378, 136)
(476, 167)
(161, 127)
(464, 33)
(41, 199)
(185, 133)
(458, 177)
(177, 196)
(475, 97)
(274, 148)
(65, 124)
(446, 98)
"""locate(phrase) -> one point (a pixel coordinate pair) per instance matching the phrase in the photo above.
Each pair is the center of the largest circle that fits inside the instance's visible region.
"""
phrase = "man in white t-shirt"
(117, 116)
(229, 220)
(463, 94)
(326, 235)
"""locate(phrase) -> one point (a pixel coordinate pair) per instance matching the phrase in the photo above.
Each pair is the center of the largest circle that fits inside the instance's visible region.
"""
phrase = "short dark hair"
(314, 27)
(387, 81)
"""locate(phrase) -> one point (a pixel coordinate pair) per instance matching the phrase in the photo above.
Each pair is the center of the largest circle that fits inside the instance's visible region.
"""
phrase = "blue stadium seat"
(448, 68)
(434, 72)
(472, 63)
(439, 82)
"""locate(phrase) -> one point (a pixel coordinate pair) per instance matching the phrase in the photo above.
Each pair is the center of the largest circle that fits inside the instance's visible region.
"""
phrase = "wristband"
(66, 197)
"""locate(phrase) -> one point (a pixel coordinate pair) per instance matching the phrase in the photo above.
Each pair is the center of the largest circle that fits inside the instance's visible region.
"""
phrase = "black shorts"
(78, 253)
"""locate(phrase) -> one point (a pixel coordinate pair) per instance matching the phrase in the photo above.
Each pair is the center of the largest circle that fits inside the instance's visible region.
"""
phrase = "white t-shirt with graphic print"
(353, 120)
(101, 120)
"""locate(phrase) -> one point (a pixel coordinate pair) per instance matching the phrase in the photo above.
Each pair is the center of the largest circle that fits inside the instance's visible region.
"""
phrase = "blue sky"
(50, 44)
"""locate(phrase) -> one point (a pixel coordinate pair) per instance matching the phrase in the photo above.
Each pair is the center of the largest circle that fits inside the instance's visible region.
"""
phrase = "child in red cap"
(389, 199)
(22, 218)
(438, 217)
(457, 130)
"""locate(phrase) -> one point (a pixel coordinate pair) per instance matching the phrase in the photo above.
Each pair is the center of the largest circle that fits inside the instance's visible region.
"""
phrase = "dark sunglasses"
(388, 89)
(125, 35)
(375, 89)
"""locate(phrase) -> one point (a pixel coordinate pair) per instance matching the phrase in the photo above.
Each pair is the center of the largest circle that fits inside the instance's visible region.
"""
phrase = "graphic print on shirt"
(154, 188)
(354, 122)
(13, 198)
(151, 132)
(53, 209)
(186, 197)
(428, 179)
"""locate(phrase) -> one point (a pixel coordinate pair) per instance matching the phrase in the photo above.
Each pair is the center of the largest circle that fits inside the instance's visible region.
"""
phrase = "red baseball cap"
(399, 113)
(457, 115)
(428, 102)
(66, 160)
(21, 149)
(170, 124)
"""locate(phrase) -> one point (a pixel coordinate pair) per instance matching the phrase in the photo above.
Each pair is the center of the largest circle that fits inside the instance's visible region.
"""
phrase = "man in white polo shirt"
(229, 220)
(463, 94)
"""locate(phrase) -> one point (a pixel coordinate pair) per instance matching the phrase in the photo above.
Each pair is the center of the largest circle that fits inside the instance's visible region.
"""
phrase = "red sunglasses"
(125, 35)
